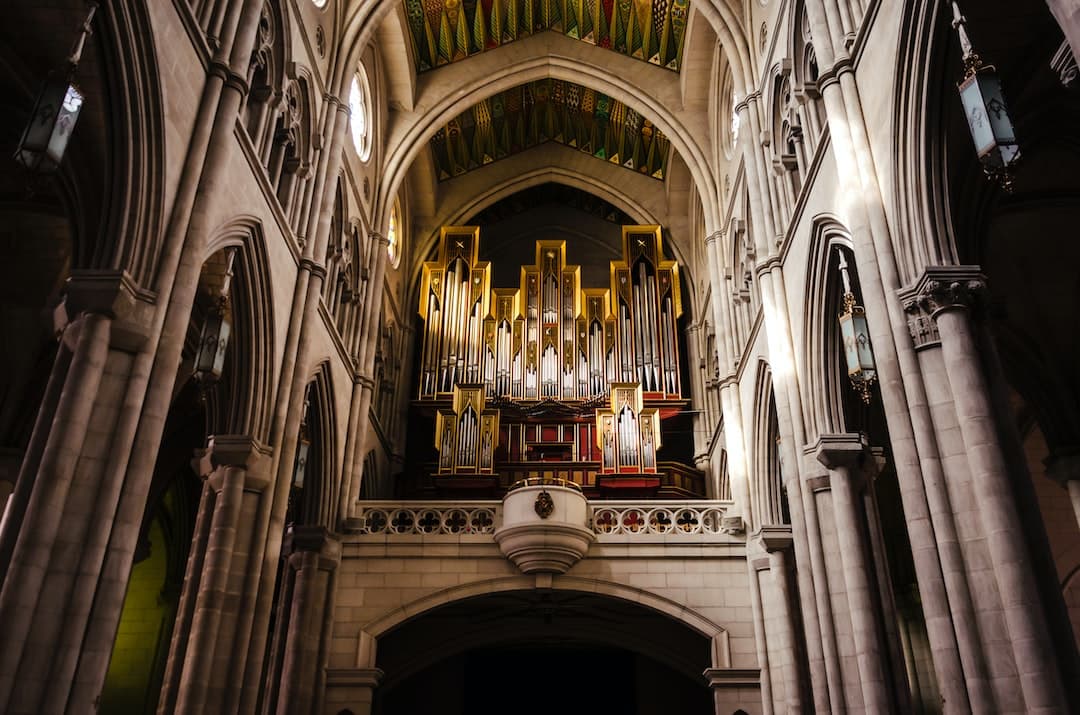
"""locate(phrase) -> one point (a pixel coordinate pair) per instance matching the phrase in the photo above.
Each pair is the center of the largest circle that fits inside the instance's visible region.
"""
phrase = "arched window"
(360, 108)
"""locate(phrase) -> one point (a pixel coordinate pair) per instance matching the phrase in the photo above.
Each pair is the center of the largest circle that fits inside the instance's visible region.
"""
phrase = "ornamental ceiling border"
(445, 31)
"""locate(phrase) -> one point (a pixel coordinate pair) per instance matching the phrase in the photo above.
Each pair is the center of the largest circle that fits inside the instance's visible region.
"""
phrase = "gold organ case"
(552, 376)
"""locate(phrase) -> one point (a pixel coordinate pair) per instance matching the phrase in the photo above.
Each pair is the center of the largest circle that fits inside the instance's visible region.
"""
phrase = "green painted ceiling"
(445, 31)
(549, 110)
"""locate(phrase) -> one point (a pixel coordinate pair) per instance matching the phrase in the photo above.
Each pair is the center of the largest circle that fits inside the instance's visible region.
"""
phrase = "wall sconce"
(855, 334)
(985, 110)
(214, 340)
(45, 139)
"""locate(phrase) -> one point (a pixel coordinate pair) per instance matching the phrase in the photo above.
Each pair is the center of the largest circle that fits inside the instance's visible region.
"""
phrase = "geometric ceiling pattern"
(549, 110)
(444, 31)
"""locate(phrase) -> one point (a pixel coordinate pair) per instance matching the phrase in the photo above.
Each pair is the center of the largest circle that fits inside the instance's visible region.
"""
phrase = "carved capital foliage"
(941, 288)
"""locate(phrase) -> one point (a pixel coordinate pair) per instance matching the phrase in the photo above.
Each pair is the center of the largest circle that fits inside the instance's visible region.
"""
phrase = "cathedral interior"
(386, 357)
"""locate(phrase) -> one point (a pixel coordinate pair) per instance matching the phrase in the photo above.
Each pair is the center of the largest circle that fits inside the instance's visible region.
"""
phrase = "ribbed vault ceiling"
(549, 110)
(445, 31)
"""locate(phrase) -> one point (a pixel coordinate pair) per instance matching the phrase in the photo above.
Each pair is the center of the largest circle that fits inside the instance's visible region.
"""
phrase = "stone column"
(947, 293)
(769, 695)
(238, 473)
(1064, 468)
(783, 623)
(813, 479)
(314, 554)
(353, 689)
(843, 455)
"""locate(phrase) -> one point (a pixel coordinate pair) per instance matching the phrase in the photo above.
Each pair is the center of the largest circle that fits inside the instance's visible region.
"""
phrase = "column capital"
(714, 236)
(238, 451)
(355, 677)
(774, 537)
(318, 540)
(944, 288)
(116, 295)
(379, 239)
(732, 677)
(849, 449)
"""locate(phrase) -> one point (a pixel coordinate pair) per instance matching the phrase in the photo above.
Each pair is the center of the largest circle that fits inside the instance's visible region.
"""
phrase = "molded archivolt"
(766, 487)
(823, 411)
(923, 237)
(251, 346)
(675, 611)
(322, 493)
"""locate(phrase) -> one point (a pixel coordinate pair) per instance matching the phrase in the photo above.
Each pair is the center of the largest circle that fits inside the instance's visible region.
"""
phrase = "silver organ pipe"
(503, 345)
(532, 337)
(569, 327)
(550, 338)
(626, 337)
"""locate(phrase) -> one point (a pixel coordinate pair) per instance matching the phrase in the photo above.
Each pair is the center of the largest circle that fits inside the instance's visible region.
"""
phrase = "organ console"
(552, 372)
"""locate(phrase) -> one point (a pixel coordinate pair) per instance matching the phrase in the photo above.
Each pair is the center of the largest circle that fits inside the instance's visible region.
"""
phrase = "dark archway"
(538, 648)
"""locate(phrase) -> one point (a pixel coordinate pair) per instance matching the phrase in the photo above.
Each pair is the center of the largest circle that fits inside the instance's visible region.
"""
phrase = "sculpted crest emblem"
(544, 504)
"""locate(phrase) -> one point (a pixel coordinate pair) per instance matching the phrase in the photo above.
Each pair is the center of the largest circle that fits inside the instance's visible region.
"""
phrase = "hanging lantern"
(984, 107)
(55, 113)
(303, 447)
(855, 334)
(214, 340)
(210, 359)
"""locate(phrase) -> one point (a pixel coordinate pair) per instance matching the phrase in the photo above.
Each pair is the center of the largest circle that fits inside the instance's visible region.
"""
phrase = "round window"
(360, 119)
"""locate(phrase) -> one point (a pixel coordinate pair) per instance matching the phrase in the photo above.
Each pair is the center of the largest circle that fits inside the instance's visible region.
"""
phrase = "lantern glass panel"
(46, 136)
(210, 362)
(302, 448)
(848, 335)
(863, 352)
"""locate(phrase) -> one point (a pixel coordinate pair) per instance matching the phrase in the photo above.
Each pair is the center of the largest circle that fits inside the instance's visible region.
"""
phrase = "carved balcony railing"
(680, 519)
(426, 518)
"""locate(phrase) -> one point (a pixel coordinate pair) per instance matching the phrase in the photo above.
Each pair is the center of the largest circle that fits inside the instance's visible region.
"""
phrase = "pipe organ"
(550, 338)
(627, 433)
(579, 374)
(466, 433)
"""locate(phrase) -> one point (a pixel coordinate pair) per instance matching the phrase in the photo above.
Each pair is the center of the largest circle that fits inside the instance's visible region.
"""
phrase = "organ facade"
(581, 375)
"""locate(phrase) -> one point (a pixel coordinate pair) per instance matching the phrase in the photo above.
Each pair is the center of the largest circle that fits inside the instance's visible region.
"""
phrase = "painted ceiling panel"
(445, 31)
(549, 110)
